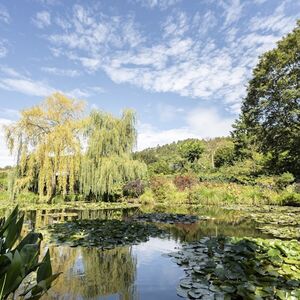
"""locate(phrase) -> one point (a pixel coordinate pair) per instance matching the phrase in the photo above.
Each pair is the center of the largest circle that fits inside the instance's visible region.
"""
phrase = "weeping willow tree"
(108, 163)
(47, 146)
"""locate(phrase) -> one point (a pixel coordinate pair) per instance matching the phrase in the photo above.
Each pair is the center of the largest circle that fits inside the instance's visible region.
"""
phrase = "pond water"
(130, 272)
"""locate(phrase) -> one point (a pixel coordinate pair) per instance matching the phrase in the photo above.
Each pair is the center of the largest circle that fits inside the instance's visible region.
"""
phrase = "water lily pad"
(104, 234)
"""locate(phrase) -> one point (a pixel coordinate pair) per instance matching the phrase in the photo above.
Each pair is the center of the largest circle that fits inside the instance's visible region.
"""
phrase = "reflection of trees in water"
(192, 232)
(89, 273)
(42, 217)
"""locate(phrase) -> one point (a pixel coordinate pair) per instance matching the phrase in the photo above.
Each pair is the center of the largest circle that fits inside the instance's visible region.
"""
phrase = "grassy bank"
(165, 190)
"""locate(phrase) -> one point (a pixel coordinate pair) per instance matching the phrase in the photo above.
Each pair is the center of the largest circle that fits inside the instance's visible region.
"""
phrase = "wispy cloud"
(61, 72)
(42, 19)
(6, 159)
(232, 11)
(183, 58)
(3, 48)
(161, 4)
(4, 14)
(97, 35)
(26, 86)
(12, 80)
(278, 22)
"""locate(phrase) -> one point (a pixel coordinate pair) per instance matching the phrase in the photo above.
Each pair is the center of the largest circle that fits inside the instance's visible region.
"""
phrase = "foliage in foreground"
(18, 260)
(235, 268)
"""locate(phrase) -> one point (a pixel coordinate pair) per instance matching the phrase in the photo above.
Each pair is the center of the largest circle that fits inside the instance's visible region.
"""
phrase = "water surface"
(131, 272)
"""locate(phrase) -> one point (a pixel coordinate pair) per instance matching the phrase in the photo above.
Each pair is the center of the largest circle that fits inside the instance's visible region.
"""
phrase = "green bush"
(224, 156)
(147, 197)
(19, 259)
(284, 180)
(160, 187)
(290, 199)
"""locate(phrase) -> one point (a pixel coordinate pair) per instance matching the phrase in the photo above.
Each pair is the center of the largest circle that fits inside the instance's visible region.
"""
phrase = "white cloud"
(148, 136)
(232, 11)
(259, 1)
(61, 72)
(12, 80)
(97, 89)
(203, 23)
(26, 86)
(4, 14)
(208, 123)
(78, 93)
(6, 159)
(42, 19)
(176, 25)
(161, 4)
(184, 59)
(10, 72)
(3, 49)
(200, 123)
(279, 22)
(97, 35)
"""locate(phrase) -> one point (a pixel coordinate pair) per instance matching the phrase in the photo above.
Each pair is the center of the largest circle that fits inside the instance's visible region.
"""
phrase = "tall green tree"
(270, 115)
(108, 161)
(47, 145)
(191, 150)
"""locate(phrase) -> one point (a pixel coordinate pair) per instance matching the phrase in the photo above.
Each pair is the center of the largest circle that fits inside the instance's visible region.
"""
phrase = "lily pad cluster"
(233, 268)
(284, 224)
(167, 218)
(277, 221)
(104, 234)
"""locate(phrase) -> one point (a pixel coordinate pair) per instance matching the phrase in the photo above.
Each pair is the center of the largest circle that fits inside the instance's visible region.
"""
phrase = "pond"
(140, 271)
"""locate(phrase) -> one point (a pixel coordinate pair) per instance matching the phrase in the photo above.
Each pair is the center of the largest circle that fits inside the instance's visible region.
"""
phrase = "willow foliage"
(108, 162)
(47, 145)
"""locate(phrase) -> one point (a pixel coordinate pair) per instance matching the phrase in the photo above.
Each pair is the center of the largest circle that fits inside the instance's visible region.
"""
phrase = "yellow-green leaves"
(47, 143)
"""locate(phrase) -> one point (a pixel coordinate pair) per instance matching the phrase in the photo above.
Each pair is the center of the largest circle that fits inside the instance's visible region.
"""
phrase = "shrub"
(186, 181)
(133, 188)
(160, 187)
(147, 197)
(284, 180)
(290, 199)
(224, 156)
(19, 259)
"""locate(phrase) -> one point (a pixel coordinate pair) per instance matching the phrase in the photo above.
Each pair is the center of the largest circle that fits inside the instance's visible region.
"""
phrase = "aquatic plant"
(104, 234)
(235, 268)
(167, 218)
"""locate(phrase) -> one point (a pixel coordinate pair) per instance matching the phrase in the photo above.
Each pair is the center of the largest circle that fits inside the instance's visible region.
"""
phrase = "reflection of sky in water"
(157, 276)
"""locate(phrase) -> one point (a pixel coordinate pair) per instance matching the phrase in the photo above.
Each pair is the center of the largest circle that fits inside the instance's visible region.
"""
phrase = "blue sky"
(183, 65)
